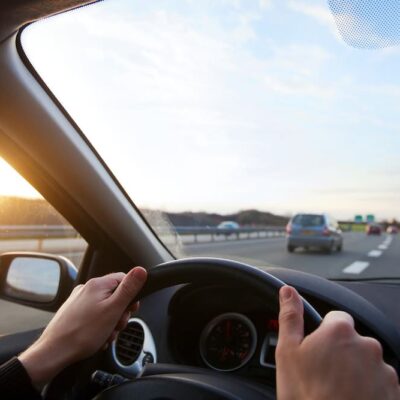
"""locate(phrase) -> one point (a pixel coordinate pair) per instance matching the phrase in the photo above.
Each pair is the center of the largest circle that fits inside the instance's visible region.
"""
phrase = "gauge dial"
(228, 342)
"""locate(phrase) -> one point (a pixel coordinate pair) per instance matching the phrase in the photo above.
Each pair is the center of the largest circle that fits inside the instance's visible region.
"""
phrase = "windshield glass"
(308, 220)
(224, 119)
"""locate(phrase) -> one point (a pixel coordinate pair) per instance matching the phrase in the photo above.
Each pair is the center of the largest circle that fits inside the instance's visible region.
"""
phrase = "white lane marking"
(375, 253)
(388, 240)
(383, 246)
(356, 267)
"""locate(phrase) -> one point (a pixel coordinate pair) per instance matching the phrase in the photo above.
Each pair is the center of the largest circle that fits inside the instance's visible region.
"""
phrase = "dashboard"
(222, 328)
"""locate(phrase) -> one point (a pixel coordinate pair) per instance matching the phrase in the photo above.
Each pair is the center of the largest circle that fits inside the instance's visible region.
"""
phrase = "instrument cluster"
(213, 327)
(229, 341)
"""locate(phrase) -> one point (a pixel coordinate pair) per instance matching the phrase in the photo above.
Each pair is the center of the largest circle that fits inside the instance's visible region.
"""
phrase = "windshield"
(308, 220)
(224, 119)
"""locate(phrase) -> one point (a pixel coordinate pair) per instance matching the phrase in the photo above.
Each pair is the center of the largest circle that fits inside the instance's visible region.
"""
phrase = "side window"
(29, 223)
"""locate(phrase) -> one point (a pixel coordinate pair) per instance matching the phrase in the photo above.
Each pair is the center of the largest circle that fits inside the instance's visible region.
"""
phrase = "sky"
(228, 105)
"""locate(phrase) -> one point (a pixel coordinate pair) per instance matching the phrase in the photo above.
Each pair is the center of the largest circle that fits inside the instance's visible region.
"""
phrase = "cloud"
(295, 70)
(265, 4)
(300, 58)
(298, 87)
(320, 13)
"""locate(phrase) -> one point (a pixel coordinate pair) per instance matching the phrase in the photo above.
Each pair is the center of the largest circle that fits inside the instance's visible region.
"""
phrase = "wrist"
(43, 361)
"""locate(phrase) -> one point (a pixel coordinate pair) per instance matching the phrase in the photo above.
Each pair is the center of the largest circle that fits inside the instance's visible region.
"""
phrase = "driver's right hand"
(334, 362)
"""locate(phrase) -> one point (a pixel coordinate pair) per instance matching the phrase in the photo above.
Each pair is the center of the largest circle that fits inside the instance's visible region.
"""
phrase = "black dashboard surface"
(177, 316)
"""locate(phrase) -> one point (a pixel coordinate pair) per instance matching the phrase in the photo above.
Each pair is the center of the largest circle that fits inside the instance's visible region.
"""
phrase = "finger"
(374, 347)
(112, 337)
(105, 346)
(112, 281)
(339, 325)
(77, 288)
(129, 287)
(338, 317)
(134, 307)
(291, 323)
(391, 377)
(105, 284)
(123, 321)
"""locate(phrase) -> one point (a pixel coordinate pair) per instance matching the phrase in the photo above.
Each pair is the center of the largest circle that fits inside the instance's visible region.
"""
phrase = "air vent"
(133, 348)
(129, 343)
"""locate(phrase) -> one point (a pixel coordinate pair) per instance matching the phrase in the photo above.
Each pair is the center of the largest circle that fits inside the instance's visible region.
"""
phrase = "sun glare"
(12, 184)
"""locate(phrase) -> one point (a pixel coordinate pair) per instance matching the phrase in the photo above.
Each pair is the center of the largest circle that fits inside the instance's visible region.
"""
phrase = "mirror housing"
(38, 280)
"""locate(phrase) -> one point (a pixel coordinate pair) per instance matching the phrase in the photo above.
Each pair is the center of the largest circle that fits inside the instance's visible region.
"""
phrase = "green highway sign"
(358, 219)
(370, 218)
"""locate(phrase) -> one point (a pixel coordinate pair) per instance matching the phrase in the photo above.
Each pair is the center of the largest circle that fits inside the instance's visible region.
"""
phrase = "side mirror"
(42, 281)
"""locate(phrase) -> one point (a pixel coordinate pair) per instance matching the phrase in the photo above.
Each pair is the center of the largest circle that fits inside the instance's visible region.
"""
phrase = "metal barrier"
(214, 234)
(37, 231)
(66, 231)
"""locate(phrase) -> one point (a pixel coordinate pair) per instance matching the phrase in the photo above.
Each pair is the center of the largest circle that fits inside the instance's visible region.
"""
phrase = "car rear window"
(308, 220)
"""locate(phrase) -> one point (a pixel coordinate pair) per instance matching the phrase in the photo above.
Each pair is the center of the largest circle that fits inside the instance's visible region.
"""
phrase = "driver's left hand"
(88, 320)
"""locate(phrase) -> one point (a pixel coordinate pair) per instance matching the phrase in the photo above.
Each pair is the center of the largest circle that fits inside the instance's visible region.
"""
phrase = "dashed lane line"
(359, 266)
(375, 253)
(356, 267)
(388, 240)
(385, 244)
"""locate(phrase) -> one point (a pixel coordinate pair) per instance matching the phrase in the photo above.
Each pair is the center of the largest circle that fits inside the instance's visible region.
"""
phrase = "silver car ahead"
(314, 230)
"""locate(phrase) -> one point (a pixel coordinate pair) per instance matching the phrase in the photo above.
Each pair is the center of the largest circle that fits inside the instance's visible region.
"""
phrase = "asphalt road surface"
(362, 257)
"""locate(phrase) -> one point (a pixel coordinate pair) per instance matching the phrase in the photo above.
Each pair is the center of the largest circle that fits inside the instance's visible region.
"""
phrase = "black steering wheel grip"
(206, 384)
(208, 270)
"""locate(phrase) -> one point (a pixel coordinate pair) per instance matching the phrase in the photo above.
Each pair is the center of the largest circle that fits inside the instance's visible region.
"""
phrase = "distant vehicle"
(314, 230)
(373, 229)
(228, 225)
(392, 230)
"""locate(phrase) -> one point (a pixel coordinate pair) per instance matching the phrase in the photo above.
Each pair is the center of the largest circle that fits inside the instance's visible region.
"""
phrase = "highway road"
(362, 257)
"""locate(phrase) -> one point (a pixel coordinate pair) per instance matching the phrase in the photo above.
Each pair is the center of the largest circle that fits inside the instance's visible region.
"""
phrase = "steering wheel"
(182, 383)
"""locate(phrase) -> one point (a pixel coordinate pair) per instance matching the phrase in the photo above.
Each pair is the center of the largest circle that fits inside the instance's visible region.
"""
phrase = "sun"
(13, 184)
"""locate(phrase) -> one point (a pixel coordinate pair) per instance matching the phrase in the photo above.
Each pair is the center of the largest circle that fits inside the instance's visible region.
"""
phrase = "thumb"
(291, 323)
(129, 287)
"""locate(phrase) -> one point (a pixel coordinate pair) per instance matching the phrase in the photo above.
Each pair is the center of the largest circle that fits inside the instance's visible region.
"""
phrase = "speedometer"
(228, 342)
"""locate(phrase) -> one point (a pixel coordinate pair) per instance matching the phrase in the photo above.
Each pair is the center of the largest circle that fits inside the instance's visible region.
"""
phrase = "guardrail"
(37, 231)
(213, 233)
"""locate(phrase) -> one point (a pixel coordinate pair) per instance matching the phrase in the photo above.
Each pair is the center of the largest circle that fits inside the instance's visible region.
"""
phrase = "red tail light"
(289, 229)
(326, 231)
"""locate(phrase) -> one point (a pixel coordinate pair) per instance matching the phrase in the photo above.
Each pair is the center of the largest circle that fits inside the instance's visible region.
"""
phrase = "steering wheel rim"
(205, 270)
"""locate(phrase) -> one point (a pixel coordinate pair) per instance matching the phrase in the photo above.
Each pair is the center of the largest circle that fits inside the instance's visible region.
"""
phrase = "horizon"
(222, 214)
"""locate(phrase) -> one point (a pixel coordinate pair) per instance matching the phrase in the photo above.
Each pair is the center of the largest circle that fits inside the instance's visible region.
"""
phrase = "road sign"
(370, 218)
(358, 219)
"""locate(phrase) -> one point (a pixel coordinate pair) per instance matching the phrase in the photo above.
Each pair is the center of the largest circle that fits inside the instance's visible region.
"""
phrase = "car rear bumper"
(302, 241)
